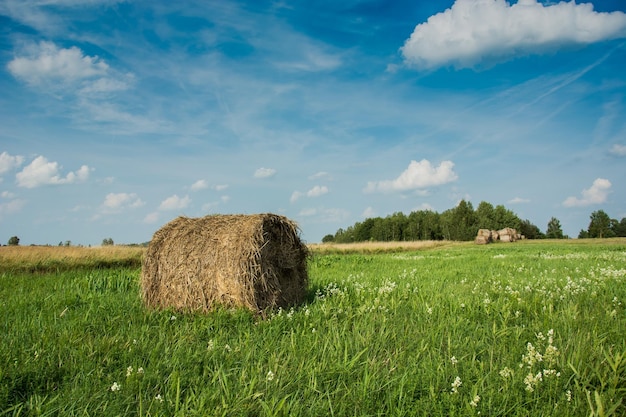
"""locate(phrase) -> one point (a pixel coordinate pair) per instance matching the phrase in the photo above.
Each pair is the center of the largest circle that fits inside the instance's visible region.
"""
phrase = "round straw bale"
(254, 261)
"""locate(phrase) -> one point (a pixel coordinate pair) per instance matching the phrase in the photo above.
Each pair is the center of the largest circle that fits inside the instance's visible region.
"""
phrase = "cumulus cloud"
(264, 173)
(44, 61)
(45, 64)
(617, 150)
(418, 175)
(596, 194)
(475, 31)
(42, 172)
(316, 191)
(9, 162)
(175, 203)
(220, 187)
(199, 185)
(115, 202)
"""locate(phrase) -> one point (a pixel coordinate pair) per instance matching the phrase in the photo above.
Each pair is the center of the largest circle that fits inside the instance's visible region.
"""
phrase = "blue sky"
(118, 116)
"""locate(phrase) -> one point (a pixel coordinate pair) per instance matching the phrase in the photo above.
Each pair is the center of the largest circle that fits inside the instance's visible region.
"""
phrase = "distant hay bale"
(508, 234)
(483, 237)
(253, 261)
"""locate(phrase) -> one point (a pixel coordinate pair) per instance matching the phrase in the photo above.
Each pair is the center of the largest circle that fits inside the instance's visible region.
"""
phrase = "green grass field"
(524, 329)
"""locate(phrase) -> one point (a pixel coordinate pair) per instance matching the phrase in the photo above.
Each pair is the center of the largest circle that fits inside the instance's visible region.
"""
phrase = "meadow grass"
(526, 329)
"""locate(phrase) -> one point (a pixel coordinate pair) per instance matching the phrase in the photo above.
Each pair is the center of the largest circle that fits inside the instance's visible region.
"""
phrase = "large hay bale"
(253, 261)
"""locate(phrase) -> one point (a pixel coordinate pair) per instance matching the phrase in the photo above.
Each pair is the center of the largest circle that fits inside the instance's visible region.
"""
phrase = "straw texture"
(253, 261)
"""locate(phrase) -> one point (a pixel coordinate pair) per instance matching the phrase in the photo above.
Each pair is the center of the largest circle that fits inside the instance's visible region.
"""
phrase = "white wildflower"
(269, 376)
(158, 398)
(506, 372)
(475, 401)
(456, 384)
(115, 387)
(129, 371)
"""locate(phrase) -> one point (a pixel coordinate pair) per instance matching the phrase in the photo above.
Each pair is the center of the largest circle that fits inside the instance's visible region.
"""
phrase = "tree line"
(462, 223)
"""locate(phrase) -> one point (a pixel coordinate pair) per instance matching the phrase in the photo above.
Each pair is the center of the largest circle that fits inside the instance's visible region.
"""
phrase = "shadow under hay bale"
(253, 261)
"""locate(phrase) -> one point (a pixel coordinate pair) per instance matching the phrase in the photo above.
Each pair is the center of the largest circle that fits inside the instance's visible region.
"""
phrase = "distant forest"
(463, 222)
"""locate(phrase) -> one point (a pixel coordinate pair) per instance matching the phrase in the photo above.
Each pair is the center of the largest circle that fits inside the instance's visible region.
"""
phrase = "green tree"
(554, 230)
(328, 239)
(530, 231)
(14, 241)
(620, 228)
(107, 242)
(600, 225)
(459, 223)
(485, 216)
(505, 218)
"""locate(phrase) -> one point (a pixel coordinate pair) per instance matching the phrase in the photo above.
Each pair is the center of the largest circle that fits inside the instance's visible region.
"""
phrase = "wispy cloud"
(11, 207)
(518, 200)
(618, 150)
(596, 194)
(476, 31)
(418, 175)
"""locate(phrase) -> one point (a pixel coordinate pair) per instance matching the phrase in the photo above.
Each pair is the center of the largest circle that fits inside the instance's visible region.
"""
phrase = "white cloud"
(12, 206)
(618, 150)
(316, 191)
(45, 64)
(7, 194)
(118, 201)
(368, 212)
(418, 175)
(175, 203)
(41, 172)
(518, 200)
(321, 175)
(199, 185)
(295, 196)
(220, 187)
(326, 215)
(307, 212)
(424, 207)
(264, 172)
(597, 194)
(151, 218)
(8, 162)
(45, 61)
(473, 31)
